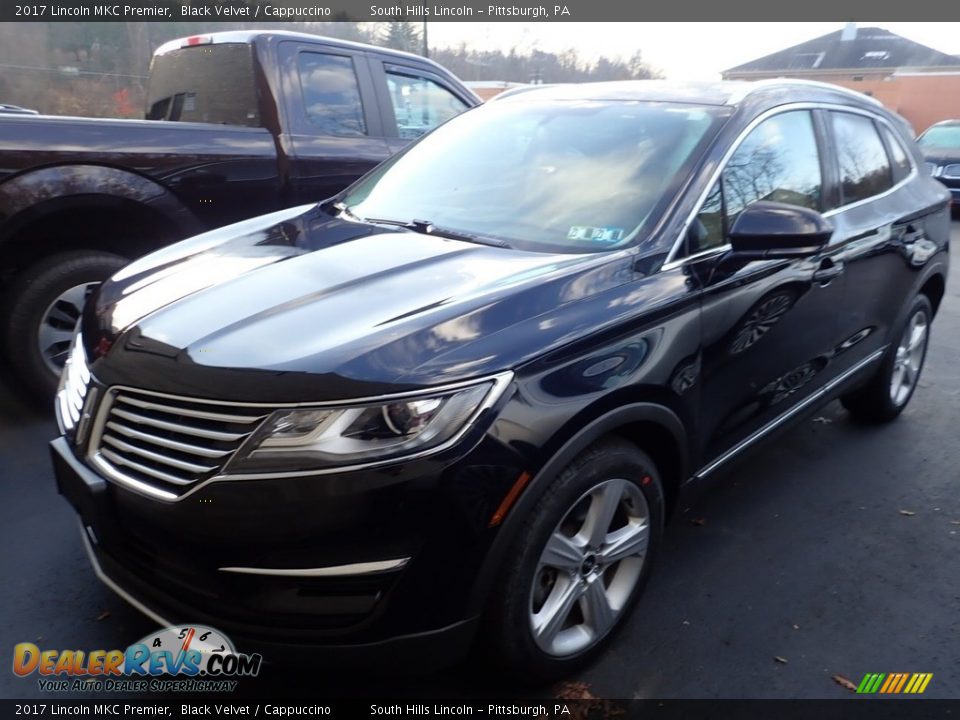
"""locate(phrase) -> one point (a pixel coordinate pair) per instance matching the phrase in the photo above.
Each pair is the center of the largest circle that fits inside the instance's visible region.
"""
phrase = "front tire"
(579, 564)
(40, 310)
(885, 396)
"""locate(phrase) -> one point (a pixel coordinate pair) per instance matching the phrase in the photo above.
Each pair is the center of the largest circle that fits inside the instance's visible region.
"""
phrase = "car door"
(413, 100)
(880, 222)
(768, 326)
(335, 132)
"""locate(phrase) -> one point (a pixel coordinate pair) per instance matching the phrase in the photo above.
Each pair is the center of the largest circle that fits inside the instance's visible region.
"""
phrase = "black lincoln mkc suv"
(460, 399)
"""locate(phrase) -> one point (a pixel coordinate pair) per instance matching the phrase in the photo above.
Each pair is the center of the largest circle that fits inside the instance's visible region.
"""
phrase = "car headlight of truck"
(301, 440)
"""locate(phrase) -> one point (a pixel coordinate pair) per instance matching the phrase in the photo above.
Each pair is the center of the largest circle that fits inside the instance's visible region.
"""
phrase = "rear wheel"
(41, 308)
(887, 394)
(580, 562)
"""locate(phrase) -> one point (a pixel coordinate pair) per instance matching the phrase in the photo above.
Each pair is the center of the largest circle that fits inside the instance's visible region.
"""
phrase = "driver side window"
(778, 161)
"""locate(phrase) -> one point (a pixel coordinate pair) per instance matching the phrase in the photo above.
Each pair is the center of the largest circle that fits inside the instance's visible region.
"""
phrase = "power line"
(72, 71)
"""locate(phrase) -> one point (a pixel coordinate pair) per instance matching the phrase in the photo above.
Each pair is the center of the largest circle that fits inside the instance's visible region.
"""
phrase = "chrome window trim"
(673, 261)
(501, 382)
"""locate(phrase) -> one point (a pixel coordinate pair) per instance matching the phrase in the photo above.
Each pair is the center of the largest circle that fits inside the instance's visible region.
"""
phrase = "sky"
(682, 51)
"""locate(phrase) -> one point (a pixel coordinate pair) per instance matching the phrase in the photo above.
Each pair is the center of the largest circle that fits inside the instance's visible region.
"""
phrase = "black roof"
(866, 48)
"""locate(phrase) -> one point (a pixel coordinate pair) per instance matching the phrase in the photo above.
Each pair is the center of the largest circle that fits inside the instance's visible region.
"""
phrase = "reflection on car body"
(490, 369)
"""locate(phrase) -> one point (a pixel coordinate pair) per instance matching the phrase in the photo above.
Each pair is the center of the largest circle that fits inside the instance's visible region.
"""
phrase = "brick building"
(919, 82)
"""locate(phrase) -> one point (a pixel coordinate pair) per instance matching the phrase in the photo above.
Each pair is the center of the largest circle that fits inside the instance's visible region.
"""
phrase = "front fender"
(598, 428)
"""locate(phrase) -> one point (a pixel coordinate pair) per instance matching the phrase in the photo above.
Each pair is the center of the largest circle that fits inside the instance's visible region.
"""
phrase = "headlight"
(303, 440)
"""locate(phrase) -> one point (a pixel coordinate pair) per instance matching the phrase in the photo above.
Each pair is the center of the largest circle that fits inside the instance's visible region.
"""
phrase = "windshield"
(945, 136)
(567, 176)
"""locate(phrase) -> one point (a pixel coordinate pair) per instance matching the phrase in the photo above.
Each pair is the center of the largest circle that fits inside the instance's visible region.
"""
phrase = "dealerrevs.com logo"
(176, 659)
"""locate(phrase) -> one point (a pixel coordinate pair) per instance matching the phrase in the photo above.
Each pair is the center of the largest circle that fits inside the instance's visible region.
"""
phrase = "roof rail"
(510, 92)
(757, 85)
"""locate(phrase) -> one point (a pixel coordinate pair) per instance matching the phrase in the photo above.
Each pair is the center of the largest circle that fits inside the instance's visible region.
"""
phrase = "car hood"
(325, 307)
(941, 156)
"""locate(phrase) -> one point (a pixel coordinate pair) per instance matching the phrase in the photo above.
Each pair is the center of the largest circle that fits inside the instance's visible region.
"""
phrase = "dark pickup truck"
(237, 124)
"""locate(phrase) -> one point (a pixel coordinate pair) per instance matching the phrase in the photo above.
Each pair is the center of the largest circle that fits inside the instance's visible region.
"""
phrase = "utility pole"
(426, 47)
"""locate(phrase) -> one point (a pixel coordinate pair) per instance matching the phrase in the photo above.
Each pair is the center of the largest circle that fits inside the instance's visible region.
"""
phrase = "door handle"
(829, 270)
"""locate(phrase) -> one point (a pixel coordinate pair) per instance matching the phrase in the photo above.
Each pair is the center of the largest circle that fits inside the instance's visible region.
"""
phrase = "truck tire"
(40, 310)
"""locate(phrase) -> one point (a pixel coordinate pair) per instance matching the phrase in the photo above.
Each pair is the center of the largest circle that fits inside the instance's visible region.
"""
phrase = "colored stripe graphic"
(870, 683)
(890, 683)
(894, 683)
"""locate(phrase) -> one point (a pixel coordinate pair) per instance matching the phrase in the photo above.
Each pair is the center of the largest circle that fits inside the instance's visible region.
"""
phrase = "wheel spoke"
(596, 608)
(562, 553)
(631, 540)
(555, 611)
(62, 314)
(916, 338)
(49, 337)
(907, 375)
(603, 506)
(76, 296)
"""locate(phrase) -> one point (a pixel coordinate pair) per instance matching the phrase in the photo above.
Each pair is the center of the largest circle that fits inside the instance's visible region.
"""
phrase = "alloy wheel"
(57, 324)
(589, 568)
(909, 358)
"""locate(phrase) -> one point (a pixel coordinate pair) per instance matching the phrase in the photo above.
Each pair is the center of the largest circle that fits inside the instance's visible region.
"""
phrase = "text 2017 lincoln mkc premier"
(459, 400)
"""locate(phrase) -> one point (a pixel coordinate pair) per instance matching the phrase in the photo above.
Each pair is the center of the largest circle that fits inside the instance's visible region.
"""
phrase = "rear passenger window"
(778, 161)
(864, 167)
(331, 94)
(898, 156)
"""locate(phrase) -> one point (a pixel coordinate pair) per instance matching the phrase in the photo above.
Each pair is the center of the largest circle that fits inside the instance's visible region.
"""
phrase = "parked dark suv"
(940, 145)
(467, 392)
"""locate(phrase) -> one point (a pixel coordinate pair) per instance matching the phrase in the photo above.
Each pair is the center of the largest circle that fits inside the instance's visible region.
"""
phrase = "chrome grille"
(162, 444)
(74, 381)
(951, 172)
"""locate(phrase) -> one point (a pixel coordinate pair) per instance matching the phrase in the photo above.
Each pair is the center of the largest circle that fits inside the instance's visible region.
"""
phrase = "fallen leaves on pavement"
(572, 690)
(845, 682)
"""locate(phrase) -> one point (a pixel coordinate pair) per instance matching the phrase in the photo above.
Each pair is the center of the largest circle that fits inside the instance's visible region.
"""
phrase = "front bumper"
(165, 559)
(954, 187)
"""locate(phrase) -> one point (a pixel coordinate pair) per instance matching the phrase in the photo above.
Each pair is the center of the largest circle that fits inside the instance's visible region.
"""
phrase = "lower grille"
(163, 444)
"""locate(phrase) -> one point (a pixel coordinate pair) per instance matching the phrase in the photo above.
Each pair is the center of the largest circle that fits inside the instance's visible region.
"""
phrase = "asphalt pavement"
(830, 552)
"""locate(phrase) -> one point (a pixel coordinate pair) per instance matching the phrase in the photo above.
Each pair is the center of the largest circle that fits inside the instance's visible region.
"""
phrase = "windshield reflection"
(570, 176)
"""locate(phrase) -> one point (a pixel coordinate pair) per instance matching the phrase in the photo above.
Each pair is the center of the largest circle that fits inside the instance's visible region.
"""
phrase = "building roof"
(851, 48)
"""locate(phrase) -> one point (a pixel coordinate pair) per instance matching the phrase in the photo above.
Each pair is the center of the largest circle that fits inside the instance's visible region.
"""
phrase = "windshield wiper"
(428, 228)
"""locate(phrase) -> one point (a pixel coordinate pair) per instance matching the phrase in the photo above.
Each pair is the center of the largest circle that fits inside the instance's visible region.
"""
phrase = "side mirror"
(777, 230)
